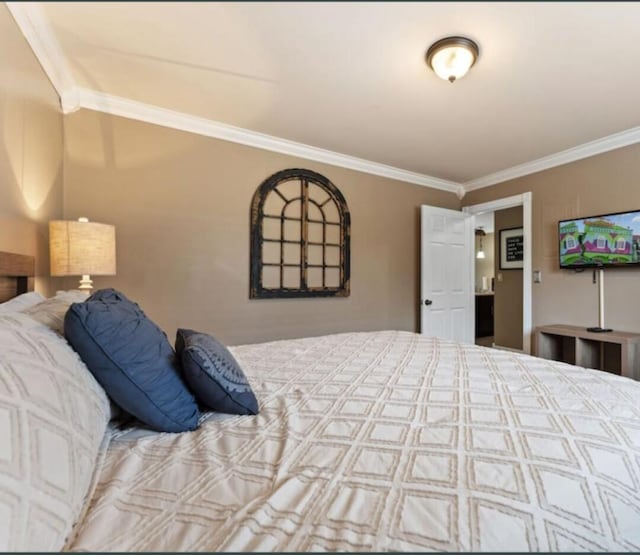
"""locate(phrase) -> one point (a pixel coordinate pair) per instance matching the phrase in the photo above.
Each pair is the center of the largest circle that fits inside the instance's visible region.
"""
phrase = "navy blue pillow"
(213, 375)
(132, 359)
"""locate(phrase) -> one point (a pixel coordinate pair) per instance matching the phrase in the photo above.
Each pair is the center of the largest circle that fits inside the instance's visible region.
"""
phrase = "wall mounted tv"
(600, 241)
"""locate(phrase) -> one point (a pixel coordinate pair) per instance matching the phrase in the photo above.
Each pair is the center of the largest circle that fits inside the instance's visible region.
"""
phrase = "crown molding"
(585, 150)
(35, 27)
(131, 109)
(33, 23)
(156, 115)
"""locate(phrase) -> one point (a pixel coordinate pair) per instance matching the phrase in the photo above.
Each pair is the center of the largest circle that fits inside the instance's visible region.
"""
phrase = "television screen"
(608, 240)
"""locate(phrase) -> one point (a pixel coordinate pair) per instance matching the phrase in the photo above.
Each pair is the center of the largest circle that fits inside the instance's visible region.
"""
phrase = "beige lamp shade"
(81, 248)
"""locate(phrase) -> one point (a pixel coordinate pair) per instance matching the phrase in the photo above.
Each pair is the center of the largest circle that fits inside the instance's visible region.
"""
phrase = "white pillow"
(51, 312)
(53, 416)
(21, 302)
(72, 296)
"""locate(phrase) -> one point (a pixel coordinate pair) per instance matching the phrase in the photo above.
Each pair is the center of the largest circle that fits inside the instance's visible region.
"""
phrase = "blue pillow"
(132, 359)
(213, 374)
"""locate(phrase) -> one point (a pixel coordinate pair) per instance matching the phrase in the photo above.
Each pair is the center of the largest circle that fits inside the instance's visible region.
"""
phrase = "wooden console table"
(617, 352)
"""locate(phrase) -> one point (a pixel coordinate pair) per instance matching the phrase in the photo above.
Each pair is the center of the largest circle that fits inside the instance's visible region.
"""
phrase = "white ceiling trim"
(148, 113)
(36, 29)
(586, 150)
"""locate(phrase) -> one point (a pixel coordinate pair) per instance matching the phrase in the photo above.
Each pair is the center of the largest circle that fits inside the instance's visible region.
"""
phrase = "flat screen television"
(600, 241)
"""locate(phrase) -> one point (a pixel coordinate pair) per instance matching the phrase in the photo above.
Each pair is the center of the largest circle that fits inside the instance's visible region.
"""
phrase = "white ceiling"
(351, 77)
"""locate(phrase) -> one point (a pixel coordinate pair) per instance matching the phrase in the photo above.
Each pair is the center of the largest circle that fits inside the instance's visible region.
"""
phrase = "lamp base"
(86, 284)
(599, 330)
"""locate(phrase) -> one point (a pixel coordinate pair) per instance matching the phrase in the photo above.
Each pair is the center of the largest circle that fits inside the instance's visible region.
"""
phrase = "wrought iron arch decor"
(300, 235)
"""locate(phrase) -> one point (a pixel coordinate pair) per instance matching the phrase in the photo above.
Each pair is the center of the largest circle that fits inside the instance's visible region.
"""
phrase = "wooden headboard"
(16, 274)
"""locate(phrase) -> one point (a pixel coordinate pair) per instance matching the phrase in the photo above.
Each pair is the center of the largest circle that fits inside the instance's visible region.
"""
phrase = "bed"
(377, 441)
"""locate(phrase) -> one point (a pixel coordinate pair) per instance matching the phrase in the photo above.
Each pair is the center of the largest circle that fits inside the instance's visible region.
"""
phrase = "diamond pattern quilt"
(53, 416)
(385, 441)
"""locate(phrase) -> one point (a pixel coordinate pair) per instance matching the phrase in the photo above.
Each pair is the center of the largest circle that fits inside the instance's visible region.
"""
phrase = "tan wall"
(181, 206)
(30, 150)
(180, 203)
(484, 266)
(507, 311)
(605, 183)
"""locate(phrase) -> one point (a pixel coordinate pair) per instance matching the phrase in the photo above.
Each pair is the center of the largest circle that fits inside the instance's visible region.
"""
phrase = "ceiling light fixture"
(452, 57)
(481, 233)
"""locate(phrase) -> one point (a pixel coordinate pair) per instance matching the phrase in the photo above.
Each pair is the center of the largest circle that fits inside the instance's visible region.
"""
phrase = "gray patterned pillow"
(21, 302)
(213, 375)
(53, 416)
(51, 312)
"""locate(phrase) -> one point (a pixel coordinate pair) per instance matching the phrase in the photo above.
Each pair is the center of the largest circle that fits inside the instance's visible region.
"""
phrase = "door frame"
(524, 200)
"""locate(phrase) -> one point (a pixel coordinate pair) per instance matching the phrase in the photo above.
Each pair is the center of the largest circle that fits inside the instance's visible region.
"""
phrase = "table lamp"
(82, 248)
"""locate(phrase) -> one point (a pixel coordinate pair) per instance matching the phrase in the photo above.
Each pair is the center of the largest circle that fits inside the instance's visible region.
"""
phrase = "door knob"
(428, 302)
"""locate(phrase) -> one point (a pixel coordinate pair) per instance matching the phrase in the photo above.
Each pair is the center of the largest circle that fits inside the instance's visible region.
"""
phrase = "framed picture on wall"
(511, 248)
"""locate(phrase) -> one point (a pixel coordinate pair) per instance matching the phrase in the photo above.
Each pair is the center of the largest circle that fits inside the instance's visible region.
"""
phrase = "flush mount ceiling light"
(452, 57)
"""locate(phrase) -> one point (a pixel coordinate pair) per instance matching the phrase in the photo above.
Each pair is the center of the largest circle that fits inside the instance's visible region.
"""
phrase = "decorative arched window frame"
(311, 185)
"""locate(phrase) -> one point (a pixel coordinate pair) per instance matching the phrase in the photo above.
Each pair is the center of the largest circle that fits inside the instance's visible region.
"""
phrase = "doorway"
(484, 281)
(524, 201)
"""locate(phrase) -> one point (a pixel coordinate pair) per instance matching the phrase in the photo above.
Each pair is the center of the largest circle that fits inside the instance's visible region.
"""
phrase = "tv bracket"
(600, 280)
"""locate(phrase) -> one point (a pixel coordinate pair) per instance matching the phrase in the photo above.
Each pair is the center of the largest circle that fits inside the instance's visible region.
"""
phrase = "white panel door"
(446, 265)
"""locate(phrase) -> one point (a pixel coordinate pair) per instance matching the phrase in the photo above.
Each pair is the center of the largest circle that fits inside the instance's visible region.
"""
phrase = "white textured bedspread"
(385, 441)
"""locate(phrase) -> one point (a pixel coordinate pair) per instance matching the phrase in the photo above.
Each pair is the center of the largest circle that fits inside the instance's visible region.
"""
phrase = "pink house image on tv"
(602, 241)
(569, 239)
(602, 236)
